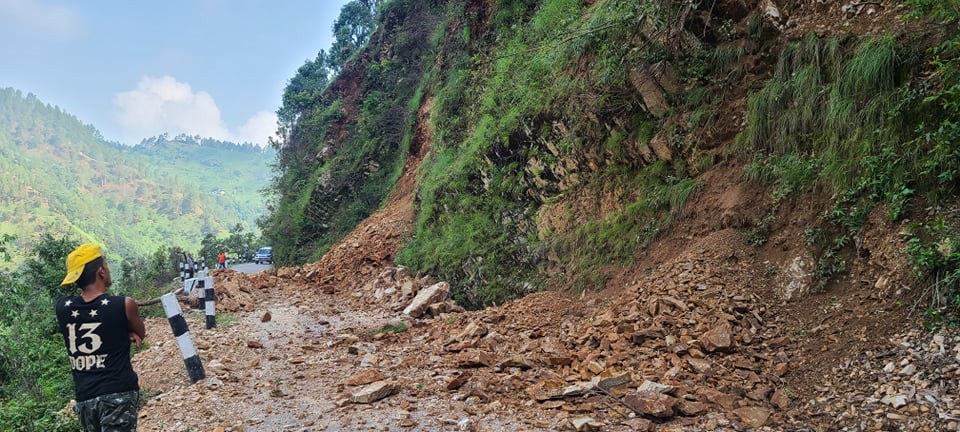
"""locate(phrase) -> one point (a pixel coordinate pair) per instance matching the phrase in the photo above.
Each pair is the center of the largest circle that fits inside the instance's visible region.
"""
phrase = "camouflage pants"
(115, 412)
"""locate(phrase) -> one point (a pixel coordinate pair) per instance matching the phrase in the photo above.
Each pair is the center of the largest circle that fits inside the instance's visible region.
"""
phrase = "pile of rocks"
(240, 292)
(913, 383)
(689, 345)
(694, 345)
(396, 289)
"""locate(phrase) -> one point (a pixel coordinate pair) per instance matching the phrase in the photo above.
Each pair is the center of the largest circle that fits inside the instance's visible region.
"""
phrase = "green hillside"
(62, 177)
(562, 138)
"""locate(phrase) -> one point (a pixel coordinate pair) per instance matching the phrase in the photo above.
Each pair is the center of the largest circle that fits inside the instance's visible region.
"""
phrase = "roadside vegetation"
(35, 381)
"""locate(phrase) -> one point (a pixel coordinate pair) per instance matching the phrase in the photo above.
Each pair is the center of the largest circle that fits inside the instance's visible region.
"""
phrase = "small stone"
(753, 417)
(364, 377)
(700, 366)
(896, 401)
(781, 369)
(375, 392)
(639, 424)
(586, 424)
(266, 317)
(471, 359)
(459, 381)
(780, 400)
(653, 404)
(692, 408)
(433, 294)
(719, 339)
(650, 386)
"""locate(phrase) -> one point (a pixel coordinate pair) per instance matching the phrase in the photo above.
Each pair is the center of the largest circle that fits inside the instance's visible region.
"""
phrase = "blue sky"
(135, 69)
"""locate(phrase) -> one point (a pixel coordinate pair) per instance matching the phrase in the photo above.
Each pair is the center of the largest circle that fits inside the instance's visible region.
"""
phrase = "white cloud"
(40, 19)
(258, 128)
(165, 105)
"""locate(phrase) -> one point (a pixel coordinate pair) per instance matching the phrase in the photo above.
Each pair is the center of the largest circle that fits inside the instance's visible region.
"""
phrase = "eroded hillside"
(726, 203)
(696, 337)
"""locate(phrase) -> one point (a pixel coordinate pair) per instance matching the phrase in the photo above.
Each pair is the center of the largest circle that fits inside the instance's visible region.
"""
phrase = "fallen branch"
(157, 300)
(605, 392)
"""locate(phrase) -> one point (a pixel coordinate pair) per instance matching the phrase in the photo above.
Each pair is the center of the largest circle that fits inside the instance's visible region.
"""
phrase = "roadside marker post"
(182, 333)
(188, 267)
(210, 301)
(201, 292)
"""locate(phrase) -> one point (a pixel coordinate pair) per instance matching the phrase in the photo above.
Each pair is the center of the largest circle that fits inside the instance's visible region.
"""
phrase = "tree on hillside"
(303, 90)
(45, 269)
(351, 30)
(5, 239)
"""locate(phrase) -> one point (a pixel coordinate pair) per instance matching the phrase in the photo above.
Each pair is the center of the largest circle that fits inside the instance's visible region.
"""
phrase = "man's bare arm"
(134, 322)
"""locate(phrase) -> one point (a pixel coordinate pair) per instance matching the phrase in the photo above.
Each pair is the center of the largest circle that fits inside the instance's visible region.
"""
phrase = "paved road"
(250, 267)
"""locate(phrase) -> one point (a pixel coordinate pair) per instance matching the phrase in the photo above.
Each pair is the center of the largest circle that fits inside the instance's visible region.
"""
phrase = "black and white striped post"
(188, 268)
(185, 271)
(201, 292)
(182, 333)
(211, 300)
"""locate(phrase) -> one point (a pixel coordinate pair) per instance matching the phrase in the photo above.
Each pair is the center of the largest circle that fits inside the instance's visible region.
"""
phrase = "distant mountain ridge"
(61, 176)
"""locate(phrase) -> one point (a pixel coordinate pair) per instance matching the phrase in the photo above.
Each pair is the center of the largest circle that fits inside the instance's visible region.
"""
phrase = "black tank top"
(98, 345)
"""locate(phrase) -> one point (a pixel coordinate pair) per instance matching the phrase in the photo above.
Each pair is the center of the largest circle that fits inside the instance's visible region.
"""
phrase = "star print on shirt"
(75, 314)
(104, 302)
(68, 303)
(93, 313)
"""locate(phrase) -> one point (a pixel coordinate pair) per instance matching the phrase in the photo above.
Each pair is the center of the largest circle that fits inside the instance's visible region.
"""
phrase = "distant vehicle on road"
(264, 256)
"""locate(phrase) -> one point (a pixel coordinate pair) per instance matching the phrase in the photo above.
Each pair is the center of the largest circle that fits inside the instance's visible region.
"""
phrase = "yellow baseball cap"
(77, 259)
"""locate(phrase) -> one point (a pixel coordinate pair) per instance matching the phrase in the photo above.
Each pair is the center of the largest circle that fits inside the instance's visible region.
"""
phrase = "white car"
(264, 256)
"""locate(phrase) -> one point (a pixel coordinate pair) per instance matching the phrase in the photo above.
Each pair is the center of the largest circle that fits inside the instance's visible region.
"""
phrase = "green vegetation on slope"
(543, 112)
(479, 192)
(851, 115)
(493, 113)
(330, 176)
(61, 177)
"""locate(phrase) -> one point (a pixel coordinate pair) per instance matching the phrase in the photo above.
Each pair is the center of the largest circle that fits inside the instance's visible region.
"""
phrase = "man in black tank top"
(97, 330)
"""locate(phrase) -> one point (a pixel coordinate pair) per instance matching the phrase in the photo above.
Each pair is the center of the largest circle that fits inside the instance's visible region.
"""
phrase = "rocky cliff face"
(562, 141)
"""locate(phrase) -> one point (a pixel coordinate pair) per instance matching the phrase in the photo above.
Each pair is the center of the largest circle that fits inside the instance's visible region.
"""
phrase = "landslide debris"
(692, 345)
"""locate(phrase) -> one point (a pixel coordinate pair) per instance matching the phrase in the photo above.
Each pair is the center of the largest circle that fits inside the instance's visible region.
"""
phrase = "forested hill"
(61, 176)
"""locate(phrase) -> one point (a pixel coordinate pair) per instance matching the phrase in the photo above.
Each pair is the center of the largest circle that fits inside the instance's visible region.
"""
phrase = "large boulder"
(435, 293)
